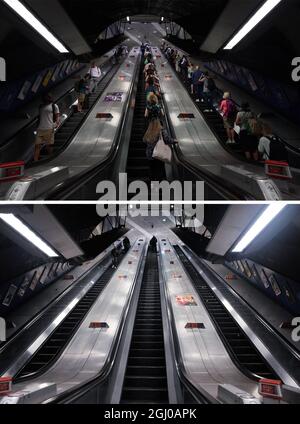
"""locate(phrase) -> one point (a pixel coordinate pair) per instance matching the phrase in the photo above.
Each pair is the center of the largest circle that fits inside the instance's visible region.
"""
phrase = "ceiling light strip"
(262, 222)
(28, 234)
(266, 8)
(25, 14)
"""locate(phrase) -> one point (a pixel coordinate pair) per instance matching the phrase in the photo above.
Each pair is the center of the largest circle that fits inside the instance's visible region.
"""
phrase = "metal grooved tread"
(146, 378)
(56, 343)
(240, 348)
(138, 166)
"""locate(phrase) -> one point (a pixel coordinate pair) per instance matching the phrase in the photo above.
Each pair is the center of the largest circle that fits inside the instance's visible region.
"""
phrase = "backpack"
(211, 85)
(278, 151)
(232, 110)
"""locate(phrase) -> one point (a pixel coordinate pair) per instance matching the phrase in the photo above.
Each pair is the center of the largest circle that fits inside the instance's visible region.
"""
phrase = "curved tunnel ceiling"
(196, 16)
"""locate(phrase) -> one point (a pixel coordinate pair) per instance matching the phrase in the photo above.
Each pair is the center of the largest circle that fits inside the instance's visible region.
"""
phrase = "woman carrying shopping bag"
(154, 114)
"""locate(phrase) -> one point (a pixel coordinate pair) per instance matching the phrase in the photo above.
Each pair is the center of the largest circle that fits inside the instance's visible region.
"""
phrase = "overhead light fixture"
(28, 234)
(25, 14)
(265, 9)
(261, 223)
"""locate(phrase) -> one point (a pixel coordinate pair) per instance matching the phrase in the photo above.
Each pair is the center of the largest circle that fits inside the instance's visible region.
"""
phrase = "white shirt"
(95, 72)
(46, 117)
(264, 147)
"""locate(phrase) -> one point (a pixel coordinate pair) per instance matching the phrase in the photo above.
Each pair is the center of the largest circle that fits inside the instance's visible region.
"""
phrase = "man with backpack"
(229, 112)
(270, 146)
(48, 122)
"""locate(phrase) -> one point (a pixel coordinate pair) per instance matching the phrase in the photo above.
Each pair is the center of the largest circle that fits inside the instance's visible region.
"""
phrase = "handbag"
(162, 152)
(152, 134)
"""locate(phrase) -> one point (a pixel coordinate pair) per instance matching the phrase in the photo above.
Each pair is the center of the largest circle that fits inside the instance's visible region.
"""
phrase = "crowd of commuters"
(255, 137)
(154, 112)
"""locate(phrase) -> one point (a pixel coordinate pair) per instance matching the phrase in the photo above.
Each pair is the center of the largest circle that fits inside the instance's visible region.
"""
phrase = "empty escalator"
(146, 377)
(241, 350)
(49, 352)
(138, 166)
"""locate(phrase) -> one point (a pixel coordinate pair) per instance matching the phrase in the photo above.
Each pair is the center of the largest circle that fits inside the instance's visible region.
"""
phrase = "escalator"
(49, 352)
(213, 118)
(67, 131)
(241, 350)
(146, 377)
(138, 166)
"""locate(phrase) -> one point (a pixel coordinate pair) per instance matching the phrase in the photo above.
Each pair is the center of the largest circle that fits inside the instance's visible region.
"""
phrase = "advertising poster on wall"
(186, 300)
(47, 78)
(24, 91)
(274, 284)
(25, 284)
(251, 80)
(36, 278)
(255, 273)
(288, 292)
(44, 275)
(10, 295)
(56, 72)
(241, 266)
(264, 278)
(248, 271)
(63, 69)
(37, 83)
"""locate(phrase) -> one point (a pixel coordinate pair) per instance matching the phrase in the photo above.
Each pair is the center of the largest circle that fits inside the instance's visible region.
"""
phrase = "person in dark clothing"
(153, 244)
(126, 244)
(115, 256)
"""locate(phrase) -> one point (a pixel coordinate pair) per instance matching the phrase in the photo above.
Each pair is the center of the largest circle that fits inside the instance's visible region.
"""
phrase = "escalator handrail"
(59, 192)
(196, 393)
(100, 379)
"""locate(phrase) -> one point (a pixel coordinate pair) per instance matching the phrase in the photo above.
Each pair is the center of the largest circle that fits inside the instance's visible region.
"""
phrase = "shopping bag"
(152, 134)
(162, 152)
(237, 129)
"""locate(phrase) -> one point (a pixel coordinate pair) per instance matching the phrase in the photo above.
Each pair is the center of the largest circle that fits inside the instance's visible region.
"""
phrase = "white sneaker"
(197, 101)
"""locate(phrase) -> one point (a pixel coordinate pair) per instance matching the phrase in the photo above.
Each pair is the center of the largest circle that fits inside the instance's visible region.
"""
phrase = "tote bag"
(152, 132)
(162, 152)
